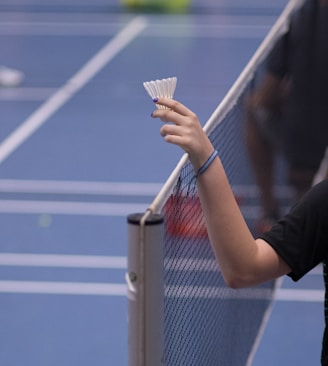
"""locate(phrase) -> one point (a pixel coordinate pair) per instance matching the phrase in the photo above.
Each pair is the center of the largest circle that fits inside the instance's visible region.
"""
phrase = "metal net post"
(145, 289)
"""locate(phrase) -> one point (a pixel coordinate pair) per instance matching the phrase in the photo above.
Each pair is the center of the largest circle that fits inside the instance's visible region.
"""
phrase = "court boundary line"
(97, 261)
(63, 260)
(63, 288)
(79, 187)
(69, 208)
(120, 289)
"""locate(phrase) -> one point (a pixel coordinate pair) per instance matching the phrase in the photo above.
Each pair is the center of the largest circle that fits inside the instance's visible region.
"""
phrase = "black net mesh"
(206, 323)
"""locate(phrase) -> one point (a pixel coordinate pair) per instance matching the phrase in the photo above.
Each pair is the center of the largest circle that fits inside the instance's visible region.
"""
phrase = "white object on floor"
(10, 77)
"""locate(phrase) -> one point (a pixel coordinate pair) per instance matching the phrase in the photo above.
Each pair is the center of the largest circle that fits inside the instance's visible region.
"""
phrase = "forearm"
(243, 261)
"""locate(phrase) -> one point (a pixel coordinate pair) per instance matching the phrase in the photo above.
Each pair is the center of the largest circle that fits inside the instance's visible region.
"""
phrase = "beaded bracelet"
(207, 163)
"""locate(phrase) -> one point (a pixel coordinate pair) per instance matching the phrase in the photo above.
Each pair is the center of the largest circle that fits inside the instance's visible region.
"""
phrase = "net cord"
(279, 28)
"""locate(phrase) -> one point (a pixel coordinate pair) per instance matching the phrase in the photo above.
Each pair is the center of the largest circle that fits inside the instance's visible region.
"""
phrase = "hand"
(182, 128)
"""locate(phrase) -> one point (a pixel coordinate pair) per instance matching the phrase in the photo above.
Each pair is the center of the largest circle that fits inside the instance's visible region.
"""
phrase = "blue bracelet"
(207, 163)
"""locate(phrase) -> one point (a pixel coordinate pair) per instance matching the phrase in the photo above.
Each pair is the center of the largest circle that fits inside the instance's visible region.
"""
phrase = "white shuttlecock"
(164, 88)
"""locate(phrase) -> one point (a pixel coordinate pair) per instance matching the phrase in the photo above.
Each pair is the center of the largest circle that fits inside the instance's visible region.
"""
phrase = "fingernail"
(155, 100)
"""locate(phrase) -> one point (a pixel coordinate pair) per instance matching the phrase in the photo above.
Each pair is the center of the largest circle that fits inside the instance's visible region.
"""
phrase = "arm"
(243, 260)
(270, 93)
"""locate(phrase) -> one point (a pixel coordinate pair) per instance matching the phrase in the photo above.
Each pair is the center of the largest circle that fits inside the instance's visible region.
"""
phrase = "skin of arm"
(243, 260)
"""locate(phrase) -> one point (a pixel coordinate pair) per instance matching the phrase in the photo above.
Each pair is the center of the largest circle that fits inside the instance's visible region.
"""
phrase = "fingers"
(172, 105)
(168, 115)
(183, 129)
(176, 113)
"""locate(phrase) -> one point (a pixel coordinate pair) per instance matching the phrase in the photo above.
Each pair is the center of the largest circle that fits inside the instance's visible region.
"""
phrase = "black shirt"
(301, 239)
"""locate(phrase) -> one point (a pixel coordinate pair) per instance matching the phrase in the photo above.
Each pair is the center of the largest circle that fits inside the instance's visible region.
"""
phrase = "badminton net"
(205, 322)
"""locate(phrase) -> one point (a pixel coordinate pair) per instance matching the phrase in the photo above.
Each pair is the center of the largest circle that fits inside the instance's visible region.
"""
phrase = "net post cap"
(152, 219)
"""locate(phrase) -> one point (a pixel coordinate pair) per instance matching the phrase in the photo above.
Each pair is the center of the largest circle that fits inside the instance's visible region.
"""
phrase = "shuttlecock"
(164, 88)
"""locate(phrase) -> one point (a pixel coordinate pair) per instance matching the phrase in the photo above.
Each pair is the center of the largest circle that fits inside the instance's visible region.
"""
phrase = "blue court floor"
(79, 152)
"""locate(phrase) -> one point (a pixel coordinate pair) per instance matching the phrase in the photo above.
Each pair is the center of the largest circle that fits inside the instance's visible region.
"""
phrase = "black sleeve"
(301, 237)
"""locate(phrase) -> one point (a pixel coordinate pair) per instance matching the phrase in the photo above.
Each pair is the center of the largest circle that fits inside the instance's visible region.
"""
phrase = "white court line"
(63, 288)
(307, 295)
(89, 208)
(119, 262)
(66, 92)
(80, 187)
(127, 188)
(120, 289)
(70, 208)
(156, 30)
(63, 260)
(255, 293)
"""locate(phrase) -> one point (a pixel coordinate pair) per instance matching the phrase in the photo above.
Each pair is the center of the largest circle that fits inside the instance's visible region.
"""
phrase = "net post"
(145, 280)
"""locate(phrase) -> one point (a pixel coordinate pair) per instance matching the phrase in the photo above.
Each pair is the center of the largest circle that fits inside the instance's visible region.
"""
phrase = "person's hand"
(182, 128)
